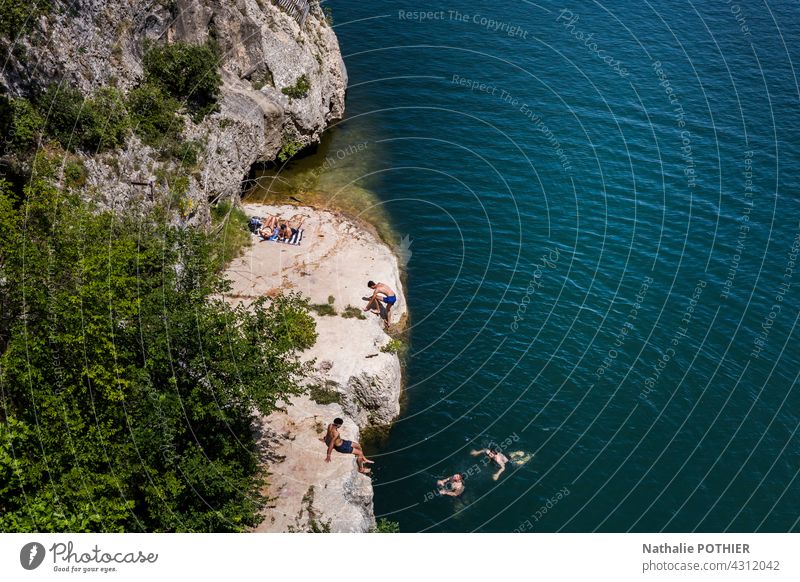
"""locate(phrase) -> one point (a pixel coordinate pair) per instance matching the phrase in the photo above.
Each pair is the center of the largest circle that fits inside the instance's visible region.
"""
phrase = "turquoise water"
(603, 229)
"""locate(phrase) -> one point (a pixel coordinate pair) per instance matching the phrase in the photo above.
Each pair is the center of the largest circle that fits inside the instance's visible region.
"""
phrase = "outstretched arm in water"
(502, 468)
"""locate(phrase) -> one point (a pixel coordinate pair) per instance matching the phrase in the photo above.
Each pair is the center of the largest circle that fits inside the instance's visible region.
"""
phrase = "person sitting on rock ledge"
(389, 298)
(334, 441)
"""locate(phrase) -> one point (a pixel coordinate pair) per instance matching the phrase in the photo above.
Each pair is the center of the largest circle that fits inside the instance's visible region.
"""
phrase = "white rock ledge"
(336, 258)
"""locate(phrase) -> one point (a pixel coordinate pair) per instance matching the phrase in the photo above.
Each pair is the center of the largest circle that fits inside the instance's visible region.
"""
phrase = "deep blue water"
(544, 184)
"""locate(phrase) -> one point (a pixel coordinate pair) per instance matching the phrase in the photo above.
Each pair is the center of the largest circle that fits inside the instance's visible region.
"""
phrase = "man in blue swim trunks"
(336, 442)
(389, 298)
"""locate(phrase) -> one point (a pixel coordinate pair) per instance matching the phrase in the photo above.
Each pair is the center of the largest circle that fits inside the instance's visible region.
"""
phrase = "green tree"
(17, 17)
(94, 124)
(26, 125)
(107, 119)
(127, 385)
(153, 115)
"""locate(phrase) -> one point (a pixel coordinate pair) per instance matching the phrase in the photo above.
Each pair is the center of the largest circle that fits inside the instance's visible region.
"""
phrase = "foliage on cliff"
(188, 73)
(175, 76)
(17, 17)
(127, 386)
(300, 88)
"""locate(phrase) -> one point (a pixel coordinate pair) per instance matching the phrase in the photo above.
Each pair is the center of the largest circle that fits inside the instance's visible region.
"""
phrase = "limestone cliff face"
(92, 43)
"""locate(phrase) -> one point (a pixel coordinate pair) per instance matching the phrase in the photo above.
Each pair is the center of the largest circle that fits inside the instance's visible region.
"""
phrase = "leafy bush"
(323, 308)
(129, 385)
(324, 395)
(187, 153)
(289, 149)
(94, 124)
(353, 312)
(153, 115)
(386, 526)
(26, 125)
(17, 17)
(6, 119)
(300, 88)
(395, 346)
(187, 72)
(108, 119)
(61, 106)
(74, 174)
(230, 231)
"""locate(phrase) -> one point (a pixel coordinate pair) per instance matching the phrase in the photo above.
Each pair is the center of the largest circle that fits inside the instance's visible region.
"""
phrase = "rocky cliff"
(94, 43)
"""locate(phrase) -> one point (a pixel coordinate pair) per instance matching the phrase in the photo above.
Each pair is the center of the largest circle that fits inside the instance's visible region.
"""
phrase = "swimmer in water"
(452, 486)
(335, 441)
(496, 456)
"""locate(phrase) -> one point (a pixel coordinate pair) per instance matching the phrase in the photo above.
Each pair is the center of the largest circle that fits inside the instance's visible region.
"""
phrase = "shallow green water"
(335, 174)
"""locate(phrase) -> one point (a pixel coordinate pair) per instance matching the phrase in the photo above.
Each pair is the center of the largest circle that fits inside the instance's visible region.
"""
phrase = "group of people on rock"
(380, 303)
(272, 228)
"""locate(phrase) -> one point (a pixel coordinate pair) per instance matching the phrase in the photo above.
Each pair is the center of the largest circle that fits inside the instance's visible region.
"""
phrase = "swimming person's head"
(371, 284)
(458, 477)
(338, 421)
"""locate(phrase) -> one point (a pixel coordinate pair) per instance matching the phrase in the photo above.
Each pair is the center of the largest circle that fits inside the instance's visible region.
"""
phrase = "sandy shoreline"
(335, 259)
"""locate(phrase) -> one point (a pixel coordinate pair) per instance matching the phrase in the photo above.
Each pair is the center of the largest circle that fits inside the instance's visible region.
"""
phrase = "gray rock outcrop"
(94, 43)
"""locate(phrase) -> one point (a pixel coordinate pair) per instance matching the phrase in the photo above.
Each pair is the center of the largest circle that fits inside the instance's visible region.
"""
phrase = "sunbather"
(268, 225)
(290, 228)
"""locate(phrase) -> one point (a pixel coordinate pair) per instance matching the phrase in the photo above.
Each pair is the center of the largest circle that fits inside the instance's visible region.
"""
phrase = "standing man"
(389, 299)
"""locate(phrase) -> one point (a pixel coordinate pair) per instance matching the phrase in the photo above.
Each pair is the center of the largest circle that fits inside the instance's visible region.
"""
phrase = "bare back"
(333, 435)
(385, 289)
